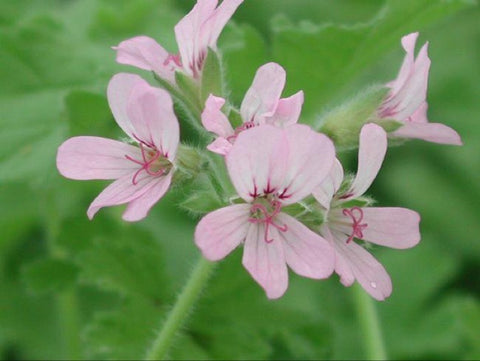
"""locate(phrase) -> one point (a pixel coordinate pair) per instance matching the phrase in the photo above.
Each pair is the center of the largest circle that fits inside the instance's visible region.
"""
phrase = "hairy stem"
(180, 311)
(369, 324)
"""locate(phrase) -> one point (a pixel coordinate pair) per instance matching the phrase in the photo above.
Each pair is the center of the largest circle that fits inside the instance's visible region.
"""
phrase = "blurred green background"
(76, 289)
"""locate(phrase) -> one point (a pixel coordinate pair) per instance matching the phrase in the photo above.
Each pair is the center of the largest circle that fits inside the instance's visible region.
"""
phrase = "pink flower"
(142, 172)
(271, 168)
(345, 221)
(262, 105)
(195, 33)
(406, 101)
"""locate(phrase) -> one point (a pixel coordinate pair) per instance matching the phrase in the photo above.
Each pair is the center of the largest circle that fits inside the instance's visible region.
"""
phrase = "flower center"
(153, 162)
(356, 214)
(264, 211)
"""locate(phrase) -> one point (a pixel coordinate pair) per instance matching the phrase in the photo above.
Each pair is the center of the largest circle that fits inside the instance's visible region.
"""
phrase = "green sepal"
(186, 105)
(235, 118)
(343, 124)
(166, 85)
(389, 125)
(190, 89)
(358, 202)
(212, 77)
(309, 212)
(190, 162)
(203, 198)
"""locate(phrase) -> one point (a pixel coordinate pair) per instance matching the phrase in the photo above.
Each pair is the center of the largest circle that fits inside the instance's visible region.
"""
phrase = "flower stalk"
(180, 311)
(369, 325)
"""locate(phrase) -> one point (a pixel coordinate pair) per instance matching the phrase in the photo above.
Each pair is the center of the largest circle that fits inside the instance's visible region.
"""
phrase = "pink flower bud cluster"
(273, 162)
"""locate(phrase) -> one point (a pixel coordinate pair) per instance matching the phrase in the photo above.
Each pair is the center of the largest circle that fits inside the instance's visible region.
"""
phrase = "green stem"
(181, 309)
(370, 324)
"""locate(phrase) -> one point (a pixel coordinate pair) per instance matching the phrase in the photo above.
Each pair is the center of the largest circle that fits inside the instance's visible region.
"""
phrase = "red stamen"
(357, 228)
(268, 218)
(145, 163)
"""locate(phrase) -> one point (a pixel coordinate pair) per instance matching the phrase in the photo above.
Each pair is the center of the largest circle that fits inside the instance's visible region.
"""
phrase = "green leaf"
(324, 60)
(243, 52)
(88, 113)
(36, 79)
(433, 176)
(243, 323)
(212, 77)
(309, 342)
(49, 275)
(470, 319)
(18, 213)
(116, 21)
(127, 261)
(124, 333)
(28, 322)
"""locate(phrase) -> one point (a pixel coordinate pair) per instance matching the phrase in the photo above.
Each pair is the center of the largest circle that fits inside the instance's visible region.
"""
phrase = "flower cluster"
(284, 174)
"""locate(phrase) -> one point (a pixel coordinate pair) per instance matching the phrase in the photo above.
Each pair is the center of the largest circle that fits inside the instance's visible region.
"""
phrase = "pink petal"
(262, 98)
(420, 115)
(342, 267)
(213, 26)
(220, 232)
(145, 53)
(257, 162)
(119, 90)
(310, 159)
(391, 227)
(151, 113)
(431, 132)
(354, 262)
(371, 152)
(288, 110)
(220, 146)
(408, 43)
(138, 208)
(96, 158)
(214, 120)
(187, 33)
(306, 253)
(414, 92)
(122, 191)
(265, 261)
(325, 192)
